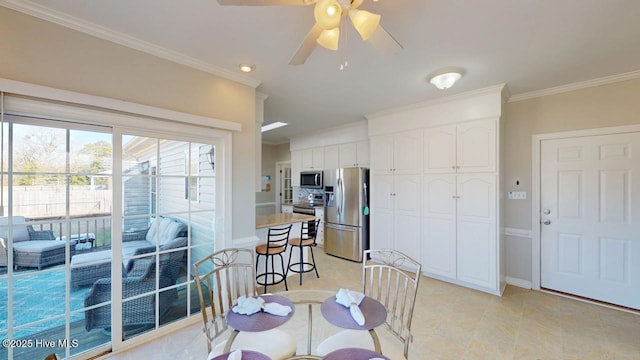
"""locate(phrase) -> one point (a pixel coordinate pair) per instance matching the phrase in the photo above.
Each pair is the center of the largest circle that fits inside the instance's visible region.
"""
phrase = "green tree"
(92, 159)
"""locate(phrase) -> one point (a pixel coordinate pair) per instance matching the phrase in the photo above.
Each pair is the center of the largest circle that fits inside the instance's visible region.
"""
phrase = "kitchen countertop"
(269, 220)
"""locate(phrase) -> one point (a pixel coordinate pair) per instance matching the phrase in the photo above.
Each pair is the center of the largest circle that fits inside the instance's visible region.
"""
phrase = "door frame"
(536, 183)
(280, 165)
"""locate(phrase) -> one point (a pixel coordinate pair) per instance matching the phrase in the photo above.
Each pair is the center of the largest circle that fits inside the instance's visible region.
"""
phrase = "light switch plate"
(517, 195)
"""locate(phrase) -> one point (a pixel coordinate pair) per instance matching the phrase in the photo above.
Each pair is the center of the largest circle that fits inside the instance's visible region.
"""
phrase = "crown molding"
(465, 95)
(577, 86)
(56, 17)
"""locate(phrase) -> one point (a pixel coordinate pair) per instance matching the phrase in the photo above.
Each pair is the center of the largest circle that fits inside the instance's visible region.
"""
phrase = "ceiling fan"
(326, 31)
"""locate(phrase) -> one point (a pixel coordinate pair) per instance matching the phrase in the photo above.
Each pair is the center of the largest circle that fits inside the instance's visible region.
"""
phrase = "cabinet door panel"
(408, 152)
(477, 221)
(440, 150)
(476, 145)
(307, 159)
(407, 193)
(408, 234)
(382, 212)
(382, 154)
(332, 157)
(318, 158)
(439, 225)
(296, 167)
(477, 198)
(477, 254)
(381, 192)
(348, 155)
(362, 153)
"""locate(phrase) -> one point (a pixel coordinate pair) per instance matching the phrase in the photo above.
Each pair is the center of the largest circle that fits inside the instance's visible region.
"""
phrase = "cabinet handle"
(453, 167)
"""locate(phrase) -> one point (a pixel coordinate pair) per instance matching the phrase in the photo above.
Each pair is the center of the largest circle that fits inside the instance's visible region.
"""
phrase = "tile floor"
(453, 322)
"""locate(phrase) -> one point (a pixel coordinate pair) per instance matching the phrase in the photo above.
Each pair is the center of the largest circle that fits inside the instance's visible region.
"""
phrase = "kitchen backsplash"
(303, 193)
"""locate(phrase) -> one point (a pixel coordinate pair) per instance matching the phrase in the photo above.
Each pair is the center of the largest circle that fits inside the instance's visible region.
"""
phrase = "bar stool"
(277, 239)
(308, 235)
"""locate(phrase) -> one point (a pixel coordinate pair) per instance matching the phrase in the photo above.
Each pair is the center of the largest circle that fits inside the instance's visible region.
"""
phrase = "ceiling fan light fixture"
(327, 13)
(445, 79)
(329, 38)
(364, 22)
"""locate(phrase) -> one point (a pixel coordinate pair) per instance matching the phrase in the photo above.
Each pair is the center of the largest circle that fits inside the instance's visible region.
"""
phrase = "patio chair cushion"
(166, 230)
(40, 246)
(20, 233)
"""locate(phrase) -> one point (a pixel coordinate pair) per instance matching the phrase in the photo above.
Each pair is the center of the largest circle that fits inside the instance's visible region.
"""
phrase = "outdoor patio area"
(45, 291)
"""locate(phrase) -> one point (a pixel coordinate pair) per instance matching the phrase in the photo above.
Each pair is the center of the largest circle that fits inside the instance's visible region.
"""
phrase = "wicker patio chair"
(140, 279)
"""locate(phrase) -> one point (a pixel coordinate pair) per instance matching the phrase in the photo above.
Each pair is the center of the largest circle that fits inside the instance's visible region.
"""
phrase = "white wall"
(39, 52)
(601, 106)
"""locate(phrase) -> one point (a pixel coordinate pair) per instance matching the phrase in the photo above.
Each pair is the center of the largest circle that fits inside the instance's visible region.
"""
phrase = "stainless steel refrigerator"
(346, 212)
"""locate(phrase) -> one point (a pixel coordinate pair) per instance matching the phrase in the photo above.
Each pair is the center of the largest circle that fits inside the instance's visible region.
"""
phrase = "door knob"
(546, 222)
(546, 211)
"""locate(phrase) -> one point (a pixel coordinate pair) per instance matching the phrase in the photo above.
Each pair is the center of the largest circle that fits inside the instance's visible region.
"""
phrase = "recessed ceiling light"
(445, 78)
(246, 68)
(272, 126)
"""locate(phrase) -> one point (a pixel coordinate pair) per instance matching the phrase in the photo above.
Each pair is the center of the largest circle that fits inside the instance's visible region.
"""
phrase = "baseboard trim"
(526, 284)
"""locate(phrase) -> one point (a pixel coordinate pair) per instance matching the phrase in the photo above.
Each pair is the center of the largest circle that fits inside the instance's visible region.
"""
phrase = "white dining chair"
(221, 278)
(392, 278)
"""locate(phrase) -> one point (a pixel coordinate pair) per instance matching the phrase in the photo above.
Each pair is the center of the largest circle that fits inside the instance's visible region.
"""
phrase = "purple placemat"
(373, 311)
(260, 321)
(246, 355)
(353, 354)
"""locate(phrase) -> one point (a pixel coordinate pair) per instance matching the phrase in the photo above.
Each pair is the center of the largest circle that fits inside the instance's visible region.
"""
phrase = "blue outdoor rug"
(39, 296)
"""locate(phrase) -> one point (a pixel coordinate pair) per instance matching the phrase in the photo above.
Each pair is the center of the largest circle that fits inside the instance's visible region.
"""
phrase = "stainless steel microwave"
(311, 179)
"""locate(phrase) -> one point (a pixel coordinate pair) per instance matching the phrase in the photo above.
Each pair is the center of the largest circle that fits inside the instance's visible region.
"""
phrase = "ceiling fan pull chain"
(343, 49)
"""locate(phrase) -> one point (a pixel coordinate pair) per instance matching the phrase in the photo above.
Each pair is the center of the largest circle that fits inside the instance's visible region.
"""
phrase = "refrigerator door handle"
(341, 228)
(339, 201)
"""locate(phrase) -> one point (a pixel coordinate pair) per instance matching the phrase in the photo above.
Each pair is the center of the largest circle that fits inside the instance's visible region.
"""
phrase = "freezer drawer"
(343, 241)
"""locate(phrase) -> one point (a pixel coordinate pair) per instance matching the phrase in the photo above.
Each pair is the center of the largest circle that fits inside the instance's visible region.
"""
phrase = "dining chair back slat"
(221, 278)
(392, 278)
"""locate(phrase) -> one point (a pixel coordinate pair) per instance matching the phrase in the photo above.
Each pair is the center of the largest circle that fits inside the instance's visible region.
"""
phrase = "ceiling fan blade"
(384, 42)
(306, 48)
(265, 2)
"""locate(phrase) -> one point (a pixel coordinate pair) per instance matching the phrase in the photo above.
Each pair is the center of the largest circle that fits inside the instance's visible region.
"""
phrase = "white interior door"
(590, 231)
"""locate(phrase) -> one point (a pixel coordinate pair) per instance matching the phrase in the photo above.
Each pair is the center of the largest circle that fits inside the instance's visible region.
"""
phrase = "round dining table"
(315, 317)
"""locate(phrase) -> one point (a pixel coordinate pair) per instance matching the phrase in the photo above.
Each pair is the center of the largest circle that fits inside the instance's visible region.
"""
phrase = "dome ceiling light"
(445, 78)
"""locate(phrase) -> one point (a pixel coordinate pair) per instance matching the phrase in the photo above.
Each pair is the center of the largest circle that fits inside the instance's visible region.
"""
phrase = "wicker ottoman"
(89, 267)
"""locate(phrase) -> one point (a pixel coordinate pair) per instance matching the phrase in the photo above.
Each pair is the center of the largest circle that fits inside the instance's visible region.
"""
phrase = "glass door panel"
(58, 224)
(169, 201)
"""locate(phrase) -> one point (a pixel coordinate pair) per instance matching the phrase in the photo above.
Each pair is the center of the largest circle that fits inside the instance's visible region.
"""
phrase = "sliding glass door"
(99, 228)
(56, 209)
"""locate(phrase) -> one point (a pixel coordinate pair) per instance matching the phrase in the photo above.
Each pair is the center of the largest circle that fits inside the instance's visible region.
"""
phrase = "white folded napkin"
(248, 305)
(235, 355)
(251, 305)
(276, 309)
(351, 299)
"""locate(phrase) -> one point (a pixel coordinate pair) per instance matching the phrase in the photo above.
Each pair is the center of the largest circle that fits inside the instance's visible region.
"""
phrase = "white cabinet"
(395, 213)
(319, 213)
(460, 224)
(332, 157)
(296, 167)
(477, 230)
(466, 147)
(397, 154)
(287, 208)
(354, 154)
(313, 159)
